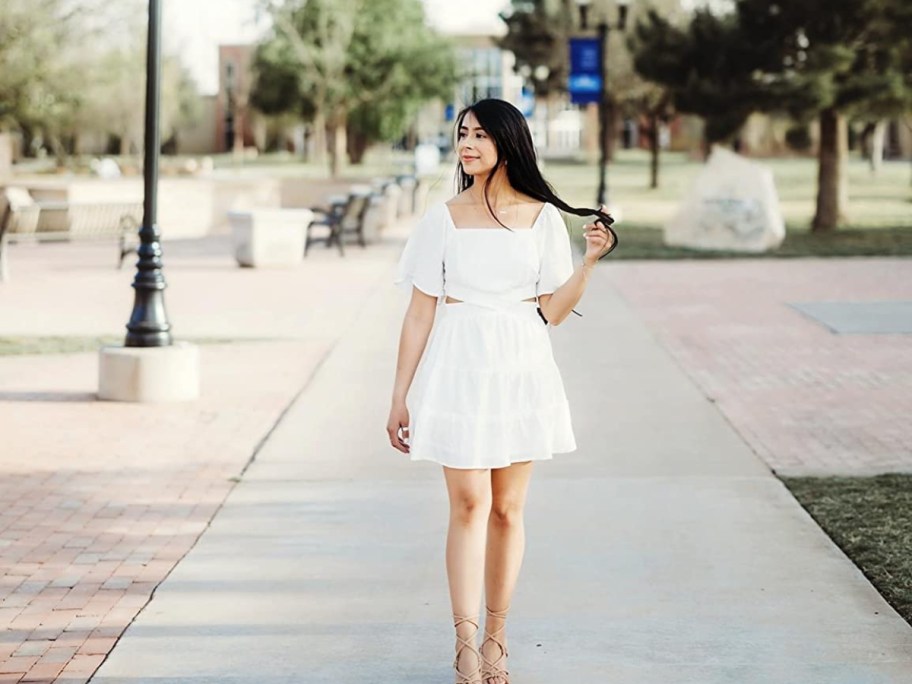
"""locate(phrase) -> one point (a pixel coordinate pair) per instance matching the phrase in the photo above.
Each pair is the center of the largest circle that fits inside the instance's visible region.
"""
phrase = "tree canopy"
(537, 34)
(824, 59)
(365, 65)
(69, 68)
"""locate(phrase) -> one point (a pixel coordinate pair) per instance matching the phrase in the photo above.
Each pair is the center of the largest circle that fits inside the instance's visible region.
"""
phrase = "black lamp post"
(602, 29)
(148, 326)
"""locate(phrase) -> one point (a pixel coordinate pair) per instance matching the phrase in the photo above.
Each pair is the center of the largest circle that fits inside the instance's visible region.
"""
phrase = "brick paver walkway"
(807, 400)
(99, 501)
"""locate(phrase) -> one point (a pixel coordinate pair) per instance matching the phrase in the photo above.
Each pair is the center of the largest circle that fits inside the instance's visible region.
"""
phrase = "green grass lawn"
(870, 519)
(646, 243)
(880, 209)
(882, 201)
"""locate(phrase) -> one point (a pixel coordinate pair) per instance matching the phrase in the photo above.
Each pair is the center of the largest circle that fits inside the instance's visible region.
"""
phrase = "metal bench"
(344, 217)
(66, 221)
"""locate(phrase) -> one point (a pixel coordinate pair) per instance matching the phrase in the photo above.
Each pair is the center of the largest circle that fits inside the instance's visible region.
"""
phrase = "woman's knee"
(470, 505)
(507, 512)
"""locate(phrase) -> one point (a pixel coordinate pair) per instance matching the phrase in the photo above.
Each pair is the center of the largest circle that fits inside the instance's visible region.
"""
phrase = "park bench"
(357, 216)
(344, 217)
(26, 220)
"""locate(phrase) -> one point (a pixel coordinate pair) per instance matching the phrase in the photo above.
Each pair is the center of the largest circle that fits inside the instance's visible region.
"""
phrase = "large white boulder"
(731, 205)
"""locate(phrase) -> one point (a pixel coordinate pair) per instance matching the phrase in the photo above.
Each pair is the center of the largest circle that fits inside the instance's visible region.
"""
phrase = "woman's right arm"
(416, 328)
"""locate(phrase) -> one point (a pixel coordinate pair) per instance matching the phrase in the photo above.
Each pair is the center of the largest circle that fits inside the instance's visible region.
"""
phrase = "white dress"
(487, 392)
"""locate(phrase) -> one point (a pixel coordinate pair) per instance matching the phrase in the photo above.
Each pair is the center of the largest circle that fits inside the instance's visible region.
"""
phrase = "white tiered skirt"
(487, 392)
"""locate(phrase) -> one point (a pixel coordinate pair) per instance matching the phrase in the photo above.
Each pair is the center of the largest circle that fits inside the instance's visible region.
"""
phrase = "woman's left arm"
(555, 307)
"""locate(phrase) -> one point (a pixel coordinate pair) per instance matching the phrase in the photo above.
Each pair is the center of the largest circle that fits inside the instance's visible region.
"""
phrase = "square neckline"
(449, 217)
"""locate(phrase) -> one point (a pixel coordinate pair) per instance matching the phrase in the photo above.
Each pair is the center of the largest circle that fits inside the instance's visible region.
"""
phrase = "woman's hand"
(599, 240)
(398, 420)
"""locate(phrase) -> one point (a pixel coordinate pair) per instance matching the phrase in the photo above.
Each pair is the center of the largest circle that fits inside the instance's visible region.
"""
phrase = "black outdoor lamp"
(538, 74)
(602, 30)
(148, 326)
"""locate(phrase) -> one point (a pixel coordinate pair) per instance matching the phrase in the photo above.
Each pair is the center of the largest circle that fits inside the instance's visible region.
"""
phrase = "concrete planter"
(269, 237)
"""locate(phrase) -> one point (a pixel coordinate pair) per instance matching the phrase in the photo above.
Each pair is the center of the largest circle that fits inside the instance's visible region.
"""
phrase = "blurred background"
(342, 91)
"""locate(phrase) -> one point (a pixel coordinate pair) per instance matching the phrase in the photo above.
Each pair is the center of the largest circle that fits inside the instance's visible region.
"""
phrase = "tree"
(829, 59)
(65, 71)
(41, 72)
(360, 65)
(310, 40)
(833, 59)
(538, 34)
(705, 66)
(655, 106)
(393, 70)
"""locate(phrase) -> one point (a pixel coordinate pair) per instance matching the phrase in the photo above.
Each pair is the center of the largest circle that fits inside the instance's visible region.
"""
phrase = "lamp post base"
(149, 374)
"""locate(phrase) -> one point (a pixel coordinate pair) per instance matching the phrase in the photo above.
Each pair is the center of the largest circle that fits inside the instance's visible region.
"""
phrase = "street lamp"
(148, 326)
(150, 366)
(602, 29)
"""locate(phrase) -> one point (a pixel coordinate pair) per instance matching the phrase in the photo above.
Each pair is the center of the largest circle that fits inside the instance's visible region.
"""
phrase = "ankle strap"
(459, 619)
(502, 614)
(467, 642)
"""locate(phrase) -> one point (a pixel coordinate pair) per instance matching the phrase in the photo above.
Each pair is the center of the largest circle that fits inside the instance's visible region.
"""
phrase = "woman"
(488, 399)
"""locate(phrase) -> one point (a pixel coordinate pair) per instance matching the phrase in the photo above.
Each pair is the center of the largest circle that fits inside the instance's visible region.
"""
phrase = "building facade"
(235, 123)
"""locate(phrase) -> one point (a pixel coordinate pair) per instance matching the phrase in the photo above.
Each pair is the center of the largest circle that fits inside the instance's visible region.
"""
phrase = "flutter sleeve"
(555, 252)
(421, 261)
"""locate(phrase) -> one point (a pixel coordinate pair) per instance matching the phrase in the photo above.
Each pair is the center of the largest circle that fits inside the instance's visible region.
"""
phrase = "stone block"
(270, 237)
(149, 374)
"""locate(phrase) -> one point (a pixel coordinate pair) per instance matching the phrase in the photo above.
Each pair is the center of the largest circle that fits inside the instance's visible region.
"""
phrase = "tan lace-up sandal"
(462, 643)
(492, 671)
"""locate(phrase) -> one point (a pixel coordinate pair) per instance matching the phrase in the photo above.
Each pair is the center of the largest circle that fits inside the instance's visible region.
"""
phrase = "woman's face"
(475, 148)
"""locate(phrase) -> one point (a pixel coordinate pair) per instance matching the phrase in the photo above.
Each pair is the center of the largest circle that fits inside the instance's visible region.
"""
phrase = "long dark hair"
(516, 155)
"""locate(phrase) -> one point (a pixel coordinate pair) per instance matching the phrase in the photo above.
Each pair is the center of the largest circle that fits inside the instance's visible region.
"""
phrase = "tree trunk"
(705, 147)
(357, 145)
(654, 151)
(59, 150)
(864, 140)
(237, 144)
(908, 122)
(337, 148)
(878, 139)
(832, 187)
(318, 143)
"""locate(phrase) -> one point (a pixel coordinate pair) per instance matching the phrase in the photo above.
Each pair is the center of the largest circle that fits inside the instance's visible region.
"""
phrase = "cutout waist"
(452, 300)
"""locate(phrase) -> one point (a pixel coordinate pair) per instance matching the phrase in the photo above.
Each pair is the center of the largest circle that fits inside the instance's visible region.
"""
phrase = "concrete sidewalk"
(100, 500)
(662, 551)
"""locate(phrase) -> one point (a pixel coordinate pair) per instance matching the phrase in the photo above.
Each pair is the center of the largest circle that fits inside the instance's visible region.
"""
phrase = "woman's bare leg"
(504, 555)
(470, 506)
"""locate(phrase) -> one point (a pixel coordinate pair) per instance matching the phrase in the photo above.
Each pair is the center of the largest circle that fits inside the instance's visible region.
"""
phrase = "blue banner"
(585, 80)
(585, 56)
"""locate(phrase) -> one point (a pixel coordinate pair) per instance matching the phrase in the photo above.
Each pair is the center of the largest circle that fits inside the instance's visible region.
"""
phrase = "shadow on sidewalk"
(49, 396)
